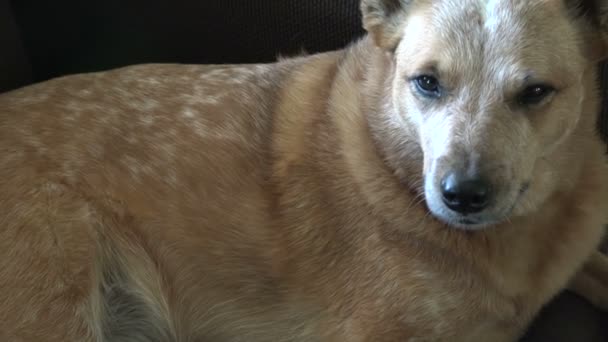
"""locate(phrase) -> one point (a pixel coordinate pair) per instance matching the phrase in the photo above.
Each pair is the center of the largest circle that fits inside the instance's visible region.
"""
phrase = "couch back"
(45, 39)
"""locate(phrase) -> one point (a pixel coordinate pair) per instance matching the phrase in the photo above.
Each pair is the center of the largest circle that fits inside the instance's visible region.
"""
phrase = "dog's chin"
(469, 223)
(465, 223)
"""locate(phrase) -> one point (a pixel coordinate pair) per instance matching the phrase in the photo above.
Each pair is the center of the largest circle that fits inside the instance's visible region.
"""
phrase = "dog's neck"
(395, 137)
(373, 147)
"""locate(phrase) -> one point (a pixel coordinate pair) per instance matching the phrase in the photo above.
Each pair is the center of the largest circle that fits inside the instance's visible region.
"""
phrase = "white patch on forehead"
(490, 13)
(416, 26)
(502, 16)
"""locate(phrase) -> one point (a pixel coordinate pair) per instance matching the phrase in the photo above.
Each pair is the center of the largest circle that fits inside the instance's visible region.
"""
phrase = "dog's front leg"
(592, 281)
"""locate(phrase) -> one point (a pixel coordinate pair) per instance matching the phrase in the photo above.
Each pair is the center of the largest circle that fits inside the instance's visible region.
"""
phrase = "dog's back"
(110, 181)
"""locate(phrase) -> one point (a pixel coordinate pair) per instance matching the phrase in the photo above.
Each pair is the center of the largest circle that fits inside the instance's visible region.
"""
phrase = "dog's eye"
(428, 86)
(535, 94)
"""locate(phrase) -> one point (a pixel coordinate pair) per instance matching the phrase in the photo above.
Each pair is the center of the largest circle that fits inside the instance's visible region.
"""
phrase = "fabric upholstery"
(14, 65)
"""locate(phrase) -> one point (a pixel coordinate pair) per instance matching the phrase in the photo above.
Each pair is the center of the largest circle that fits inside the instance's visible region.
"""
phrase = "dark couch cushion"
(14, 66)
(71, 36)
(68, 36)
(603, 123)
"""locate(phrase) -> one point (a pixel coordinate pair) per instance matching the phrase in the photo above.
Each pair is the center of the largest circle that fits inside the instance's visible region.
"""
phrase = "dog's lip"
(468, 221)
(468, 224)
(462, 223)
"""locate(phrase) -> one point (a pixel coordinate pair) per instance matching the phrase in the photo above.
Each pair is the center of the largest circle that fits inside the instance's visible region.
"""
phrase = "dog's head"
(492, 89)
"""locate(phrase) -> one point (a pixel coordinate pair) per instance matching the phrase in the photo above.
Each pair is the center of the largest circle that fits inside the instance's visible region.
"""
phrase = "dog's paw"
(591, 282)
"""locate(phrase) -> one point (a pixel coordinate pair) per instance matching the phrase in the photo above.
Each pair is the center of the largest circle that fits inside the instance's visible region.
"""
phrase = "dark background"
(45, 39)
(67, 36)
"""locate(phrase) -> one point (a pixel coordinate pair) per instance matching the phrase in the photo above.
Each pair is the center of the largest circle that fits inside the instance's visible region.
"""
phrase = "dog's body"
(285, 202)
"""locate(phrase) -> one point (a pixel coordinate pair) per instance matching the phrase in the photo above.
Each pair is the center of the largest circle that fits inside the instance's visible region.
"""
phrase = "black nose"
(465, 195)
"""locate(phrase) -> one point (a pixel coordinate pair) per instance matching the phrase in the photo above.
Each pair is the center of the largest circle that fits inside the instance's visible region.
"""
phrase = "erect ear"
(595, 14)
(384, 20)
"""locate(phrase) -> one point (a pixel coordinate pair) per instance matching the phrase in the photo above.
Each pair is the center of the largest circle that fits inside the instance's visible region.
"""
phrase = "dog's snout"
(465, 195)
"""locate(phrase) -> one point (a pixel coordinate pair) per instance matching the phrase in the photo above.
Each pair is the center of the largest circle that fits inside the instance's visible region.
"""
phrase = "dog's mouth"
(468, 222)
(482, 220)
(471, 224)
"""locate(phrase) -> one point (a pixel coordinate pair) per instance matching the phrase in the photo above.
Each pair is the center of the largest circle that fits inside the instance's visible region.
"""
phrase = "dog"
(440, 179)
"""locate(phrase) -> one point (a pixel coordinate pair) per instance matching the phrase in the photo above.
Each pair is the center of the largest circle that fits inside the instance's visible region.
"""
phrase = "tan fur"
(591, 282)
(294, 201)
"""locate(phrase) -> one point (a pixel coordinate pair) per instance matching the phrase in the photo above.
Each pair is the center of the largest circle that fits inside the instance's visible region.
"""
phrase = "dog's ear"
(595, 15)
(384, 20)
